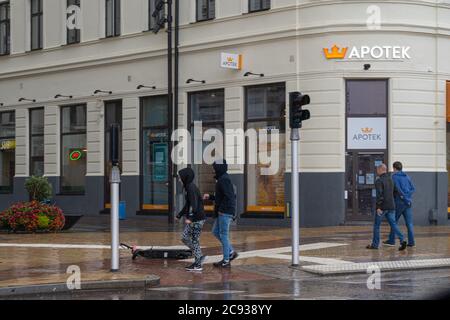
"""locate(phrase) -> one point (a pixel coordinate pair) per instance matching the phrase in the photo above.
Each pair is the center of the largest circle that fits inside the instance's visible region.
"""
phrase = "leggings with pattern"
(191, 238)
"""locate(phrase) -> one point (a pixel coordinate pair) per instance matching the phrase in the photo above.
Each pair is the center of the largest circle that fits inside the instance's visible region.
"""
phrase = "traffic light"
(296, 113)
(158, 14)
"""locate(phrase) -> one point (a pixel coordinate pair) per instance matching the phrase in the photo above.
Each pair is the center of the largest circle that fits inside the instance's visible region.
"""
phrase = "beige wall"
(285, 43)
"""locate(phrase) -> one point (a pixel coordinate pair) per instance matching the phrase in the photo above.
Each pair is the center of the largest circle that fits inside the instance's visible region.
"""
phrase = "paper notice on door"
(370, 178)
(361, 180)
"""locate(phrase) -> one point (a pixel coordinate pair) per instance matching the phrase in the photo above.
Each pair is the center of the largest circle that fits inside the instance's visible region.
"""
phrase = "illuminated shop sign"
(367, 52)
(8, 145)
(367, 133)
(76, 155)
(231, 61)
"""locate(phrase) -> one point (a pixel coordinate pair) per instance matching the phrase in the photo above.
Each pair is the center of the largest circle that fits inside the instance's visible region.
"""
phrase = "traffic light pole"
(115, 242)
(295, 138)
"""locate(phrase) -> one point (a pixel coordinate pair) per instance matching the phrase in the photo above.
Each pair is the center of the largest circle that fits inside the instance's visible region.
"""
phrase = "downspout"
(177, 84)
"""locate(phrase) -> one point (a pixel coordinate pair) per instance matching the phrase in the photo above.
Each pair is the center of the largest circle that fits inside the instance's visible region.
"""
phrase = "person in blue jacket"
(403, 203)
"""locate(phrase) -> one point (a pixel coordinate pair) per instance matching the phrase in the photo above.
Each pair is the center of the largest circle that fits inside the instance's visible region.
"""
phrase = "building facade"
(377, 72)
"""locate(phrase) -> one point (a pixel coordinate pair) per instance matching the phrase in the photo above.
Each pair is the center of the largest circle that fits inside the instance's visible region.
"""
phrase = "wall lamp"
(62, 96)
(253, 74)
(139, 87)
(1, 104)
(102, 91)
(367, 67)
(192, 80)
(24, 99)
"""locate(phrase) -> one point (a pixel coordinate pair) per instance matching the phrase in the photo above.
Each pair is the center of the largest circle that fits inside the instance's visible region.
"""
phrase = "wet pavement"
(263, 272)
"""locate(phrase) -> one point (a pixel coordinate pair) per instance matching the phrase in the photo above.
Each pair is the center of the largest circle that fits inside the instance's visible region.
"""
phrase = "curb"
(149, 281)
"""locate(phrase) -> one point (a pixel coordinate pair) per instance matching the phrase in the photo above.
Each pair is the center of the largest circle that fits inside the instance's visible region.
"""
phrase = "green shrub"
(43, 222)
(39, 188)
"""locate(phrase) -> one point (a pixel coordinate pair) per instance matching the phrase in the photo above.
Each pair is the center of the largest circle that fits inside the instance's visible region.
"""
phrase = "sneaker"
(234, 256)
(190, 266)
(371, 247)
(225, 265)
(195, 267)
(411, 245)
(388, 244)
(403, 246)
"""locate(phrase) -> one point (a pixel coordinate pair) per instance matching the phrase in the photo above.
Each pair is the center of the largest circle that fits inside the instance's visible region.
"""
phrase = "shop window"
(367, 97)
(113, 18)
(206, 10)
(5, 34)
(113, 115)
(73, 35)
(73, 149)
(154, 20)
(36, 24)
(37, 142)
(265, 111)
(155, 153)
(207, 107)
(258, 5)
(7, 151)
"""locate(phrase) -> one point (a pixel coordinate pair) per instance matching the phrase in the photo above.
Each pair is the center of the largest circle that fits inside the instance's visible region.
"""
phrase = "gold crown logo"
(230, 59)
(367, 130)
(335, 53)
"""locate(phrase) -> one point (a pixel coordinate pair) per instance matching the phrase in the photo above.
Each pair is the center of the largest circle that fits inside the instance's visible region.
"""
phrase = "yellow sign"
(8, 145)
(335, 52)
(231, 61)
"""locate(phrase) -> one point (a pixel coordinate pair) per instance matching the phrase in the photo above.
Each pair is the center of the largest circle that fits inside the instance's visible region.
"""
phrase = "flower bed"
(32, 217)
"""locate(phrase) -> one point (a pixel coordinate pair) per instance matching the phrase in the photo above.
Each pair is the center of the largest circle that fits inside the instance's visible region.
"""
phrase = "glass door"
(361, 177)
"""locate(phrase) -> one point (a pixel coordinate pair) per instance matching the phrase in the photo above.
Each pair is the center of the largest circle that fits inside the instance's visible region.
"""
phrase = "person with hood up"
(224, 212)
(194, 213)
(403, 203)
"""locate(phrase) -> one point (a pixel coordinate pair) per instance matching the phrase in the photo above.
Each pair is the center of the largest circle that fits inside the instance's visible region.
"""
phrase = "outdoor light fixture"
(253, 74)
(1, 104)
(367, 67)
(24, 99)
(62, 96)
(102, 91)
(139, 87)
(192, 80)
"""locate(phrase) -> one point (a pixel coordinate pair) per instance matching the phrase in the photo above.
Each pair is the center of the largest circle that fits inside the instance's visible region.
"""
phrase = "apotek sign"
(367, 133)
(231, 61)
(368, 52)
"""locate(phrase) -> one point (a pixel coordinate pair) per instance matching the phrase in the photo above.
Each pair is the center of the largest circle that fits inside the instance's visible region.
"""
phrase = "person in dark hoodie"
(385, 208)
(194, 213)
(403, 203)
(224, 212)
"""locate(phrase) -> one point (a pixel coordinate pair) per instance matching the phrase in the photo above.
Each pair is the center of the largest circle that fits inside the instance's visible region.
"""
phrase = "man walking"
(224, 212)
(403, 203)
(385, 208)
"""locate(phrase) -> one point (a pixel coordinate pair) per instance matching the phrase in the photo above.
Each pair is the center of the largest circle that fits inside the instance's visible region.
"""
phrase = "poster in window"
(160, 167)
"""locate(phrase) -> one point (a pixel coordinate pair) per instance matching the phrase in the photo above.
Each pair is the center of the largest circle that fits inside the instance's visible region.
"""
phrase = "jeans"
(191, 238)
(390, 216)
(221, 231)
(406, 212)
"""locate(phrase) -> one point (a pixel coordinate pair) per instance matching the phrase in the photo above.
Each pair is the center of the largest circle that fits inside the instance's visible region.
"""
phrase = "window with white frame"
(258, 5)
(113, 18)
(5, 36)
(37, 13)
(206, 10)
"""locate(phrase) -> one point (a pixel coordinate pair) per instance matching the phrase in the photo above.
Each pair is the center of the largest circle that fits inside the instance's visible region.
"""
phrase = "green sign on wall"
(160, 162)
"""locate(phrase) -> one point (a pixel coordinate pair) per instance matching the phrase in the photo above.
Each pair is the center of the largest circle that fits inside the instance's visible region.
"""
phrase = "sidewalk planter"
(71, 221)
(32, 217)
